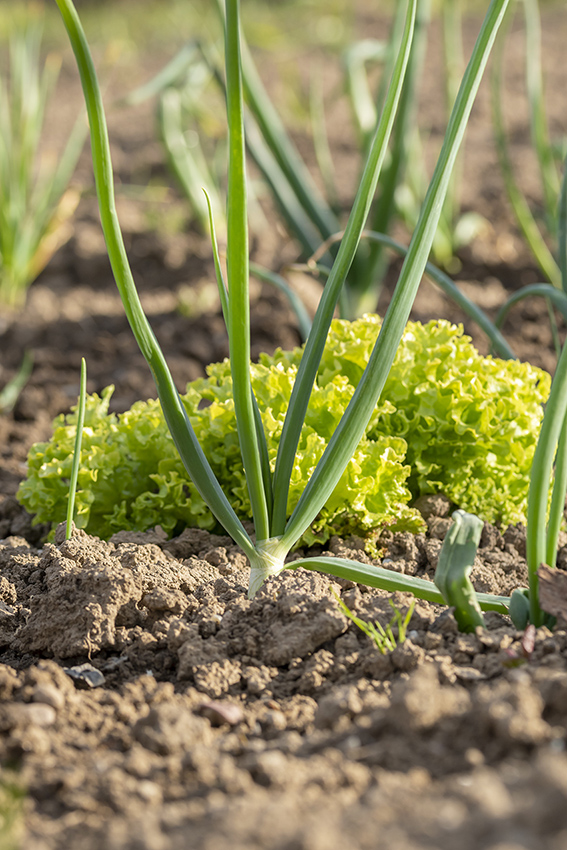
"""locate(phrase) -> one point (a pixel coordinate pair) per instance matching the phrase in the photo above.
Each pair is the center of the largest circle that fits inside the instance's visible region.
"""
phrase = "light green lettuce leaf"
(449, 421)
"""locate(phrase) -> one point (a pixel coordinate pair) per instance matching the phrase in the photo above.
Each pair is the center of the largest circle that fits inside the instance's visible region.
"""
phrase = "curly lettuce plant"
(268, 490)
(448, 425)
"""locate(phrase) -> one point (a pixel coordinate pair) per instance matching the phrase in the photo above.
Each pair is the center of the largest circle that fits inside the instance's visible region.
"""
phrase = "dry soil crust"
(205, 720)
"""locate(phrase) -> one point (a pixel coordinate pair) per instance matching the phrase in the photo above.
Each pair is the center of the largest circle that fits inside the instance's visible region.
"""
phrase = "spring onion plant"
(540, 231)
(276, 533)
(548, 475)
(499, 345)
(549, 468)
(537, 234)
(454, 566)
(311, 215)
(456, 228)
(184, 150)
(35, 198)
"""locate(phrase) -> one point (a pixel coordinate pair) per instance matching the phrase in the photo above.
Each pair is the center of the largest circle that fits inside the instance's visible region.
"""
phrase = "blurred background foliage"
(143, 24)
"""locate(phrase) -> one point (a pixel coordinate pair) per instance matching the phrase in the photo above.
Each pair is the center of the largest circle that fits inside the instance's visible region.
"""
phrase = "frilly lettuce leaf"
(449, 421)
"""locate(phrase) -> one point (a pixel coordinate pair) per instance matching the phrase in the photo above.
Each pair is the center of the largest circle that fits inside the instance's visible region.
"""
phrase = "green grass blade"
(389, 580)
(238, 281)
(354, 421)
(321, 323)
(81, 404)
(174, 411)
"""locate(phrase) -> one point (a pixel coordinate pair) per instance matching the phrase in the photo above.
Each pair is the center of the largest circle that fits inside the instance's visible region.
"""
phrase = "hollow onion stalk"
(447, 286)
(275, 536)
(551, 450)
(352, 425)
(175, 414)
(524, 216)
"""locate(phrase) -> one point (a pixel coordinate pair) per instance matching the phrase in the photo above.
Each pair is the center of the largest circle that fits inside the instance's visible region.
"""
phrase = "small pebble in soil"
(85, 676)
(221, 712)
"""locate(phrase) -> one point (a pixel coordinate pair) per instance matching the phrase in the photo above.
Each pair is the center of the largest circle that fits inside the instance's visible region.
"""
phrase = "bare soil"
(206, 720)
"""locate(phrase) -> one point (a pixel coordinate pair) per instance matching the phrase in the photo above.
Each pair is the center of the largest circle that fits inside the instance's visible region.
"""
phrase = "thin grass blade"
(75, 466)
(189, 168)
(221, 285)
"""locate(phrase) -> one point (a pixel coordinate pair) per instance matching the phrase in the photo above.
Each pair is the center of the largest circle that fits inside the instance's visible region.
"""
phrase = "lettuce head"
(449, 421)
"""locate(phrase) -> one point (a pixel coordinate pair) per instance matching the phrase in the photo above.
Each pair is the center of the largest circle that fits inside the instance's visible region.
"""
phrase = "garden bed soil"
(206, 720)
(146, 703)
